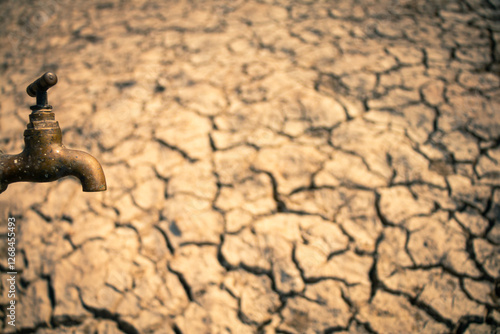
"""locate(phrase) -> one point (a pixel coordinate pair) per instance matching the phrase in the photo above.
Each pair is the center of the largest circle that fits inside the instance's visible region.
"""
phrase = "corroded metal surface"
(44, 158)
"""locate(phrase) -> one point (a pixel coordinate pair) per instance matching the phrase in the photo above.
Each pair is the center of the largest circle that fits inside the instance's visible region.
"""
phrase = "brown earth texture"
(273, 166)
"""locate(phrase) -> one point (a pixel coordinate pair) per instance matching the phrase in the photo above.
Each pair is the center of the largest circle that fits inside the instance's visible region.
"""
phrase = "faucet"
(44, 158)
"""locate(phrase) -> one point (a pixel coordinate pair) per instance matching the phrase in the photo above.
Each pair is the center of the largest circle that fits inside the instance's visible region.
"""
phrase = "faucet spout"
(45, 159)
(83, 166)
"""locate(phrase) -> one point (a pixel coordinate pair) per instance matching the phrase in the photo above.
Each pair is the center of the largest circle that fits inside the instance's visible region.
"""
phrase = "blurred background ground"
(272, 166)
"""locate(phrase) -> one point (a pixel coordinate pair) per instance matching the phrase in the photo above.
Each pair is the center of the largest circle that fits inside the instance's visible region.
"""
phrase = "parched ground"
(272, 166)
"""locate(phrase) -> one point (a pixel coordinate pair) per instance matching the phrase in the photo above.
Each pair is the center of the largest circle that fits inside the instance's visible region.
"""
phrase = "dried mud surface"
(272, 166)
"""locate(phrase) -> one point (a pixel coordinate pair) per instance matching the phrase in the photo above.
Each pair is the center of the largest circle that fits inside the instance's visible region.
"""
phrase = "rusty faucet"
(44, 158)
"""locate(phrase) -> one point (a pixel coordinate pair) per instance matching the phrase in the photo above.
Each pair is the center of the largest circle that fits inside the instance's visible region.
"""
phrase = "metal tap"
(44, 158)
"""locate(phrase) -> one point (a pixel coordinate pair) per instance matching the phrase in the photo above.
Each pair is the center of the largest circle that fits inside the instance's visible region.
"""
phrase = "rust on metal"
(44, 158)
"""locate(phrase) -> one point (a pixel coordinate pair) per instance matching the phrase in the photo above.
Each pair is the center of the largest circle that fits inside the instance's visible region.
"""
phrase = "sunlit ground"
(272, 167)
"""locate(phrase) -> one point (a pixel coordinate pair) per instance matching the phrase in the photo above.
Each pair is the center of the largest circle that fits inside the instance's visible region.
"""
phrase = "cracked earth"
(272, 166)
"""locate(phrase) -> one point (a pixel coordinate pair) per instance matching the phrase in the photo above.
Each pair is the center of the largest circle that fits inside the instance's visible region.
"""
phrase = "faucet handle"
(41, 84)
